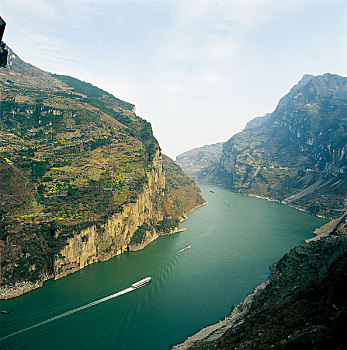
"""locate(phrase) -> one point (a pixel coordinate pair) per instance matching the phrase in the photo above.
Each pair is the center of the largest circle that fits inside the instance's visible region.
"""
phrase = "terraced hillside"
(73, 157)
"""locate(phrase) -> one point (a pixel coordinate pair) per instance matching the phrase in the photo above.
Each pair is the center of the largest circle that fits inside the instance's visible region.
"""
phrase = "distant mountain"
(257, 122)
(200, 163)
(297, 154)
(81, 178)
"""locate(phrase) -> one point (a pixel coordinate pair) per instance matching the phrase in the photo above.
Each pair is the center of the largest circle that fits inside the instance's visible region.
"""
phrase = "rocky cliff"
(119, 233)
(301, 306)
(81, 178)
(297, 154)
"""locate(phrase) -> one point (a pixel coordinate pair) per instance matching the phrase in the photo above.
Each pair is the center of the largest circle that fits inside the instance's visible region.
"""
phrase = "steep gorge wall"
(82, 178)
(297, 154)
(102, 242)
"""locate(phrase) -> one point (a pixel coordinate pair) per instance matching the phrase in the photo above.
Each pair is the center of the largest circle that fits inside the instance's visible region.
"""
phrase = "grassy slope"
(70, 155)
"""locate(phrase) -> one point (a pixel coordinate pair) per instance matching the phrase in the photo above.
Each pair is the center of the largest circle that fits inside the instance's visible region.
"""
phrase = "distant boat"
(141, 283)
(5, 312)
(185, 248)
(211, 191)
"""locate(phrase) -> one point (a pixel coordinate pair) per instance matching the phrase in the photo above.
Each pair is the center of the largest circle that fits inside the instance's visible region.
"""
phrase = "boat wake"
(70, 312)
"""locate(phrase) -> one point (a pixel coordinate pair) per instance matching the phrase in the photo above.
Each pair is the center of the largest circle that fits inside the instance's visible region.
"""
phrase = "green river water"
(234, 239)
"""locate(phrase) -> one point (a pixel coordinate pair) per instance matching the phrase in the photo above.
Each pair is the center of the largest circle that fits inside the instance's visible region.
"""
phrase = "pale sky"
(198, 70)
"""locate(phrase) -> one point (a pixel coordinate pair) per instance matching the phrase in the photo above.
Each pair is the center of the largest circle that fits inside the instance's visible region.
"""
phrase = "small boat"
(211, 191)
(185, 248)
(141, 283)
(5, 312)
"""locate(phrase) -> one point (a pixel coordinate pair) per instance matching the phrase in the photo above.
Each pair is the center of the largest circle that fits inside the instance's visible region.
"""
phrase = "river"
(233, 239)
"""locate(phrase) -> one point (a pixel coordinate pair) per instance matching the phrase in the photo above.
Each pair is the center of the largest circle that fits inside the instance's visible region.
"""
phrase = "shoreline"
(182, 219)
(10, 292)
(270, 200)
(195, 208)
(286, 204)
(23, 287)
(210, 334)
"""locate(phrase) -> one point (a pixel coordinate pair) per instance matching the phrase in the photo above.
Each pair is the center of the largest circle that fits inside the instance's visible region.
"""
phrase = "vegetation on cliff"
(297, 154)
(182, 193)
(71, 155)
(181, 197)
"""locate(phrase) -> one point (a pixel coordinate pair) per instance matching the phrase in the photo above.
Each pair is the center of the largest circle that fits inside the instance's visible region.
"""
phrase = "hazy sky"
(198, 70)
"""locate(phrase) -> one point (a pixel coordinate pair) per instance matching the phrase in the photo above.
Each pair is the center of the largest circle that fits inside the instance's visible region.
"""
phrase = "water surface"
(233, 241)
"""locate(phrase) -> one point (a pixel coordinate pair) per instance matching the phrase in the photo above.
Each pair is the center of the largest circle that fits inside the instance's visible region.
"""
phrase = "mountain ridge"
(81, 175)
(296, 154)
(201, 162)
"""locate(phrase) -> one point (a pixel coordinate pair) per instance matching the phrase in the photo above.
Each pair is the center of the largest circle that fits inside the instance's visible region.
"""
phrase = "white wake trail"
(70, 312)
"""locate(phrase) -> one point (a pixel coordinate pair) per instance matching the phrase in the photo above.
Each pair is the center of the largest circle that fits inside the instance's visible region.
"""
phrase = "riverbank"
(319, 261)
(9, 292)
(211, 334)
(285, 203)
(269, 199)
(178, 300)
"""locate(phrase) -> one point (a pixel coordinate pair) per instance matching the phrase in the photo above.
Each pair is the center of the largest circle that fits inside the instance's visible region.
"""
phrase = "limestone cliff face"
(121, 232)
(102, 242)
(297, 154)
(81, 178)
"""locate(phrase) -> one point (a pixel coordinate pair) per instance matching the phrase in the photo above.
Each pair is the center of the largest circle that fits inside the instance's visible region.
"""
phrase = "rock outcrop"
(295, 155)
(81, 178)
(301, 306)
(101, 242)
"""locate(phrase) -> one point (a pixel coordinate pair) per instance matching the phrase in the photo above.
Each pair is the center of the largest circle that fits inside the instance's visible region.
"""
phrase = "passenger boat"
(141, 283)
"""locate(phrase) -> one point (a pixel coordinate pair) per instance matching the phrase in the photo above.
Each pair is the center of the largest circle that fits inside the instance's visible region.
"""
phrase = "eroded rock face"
(120, 232)
(81, 178)
(295, 154)
(102, 242)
